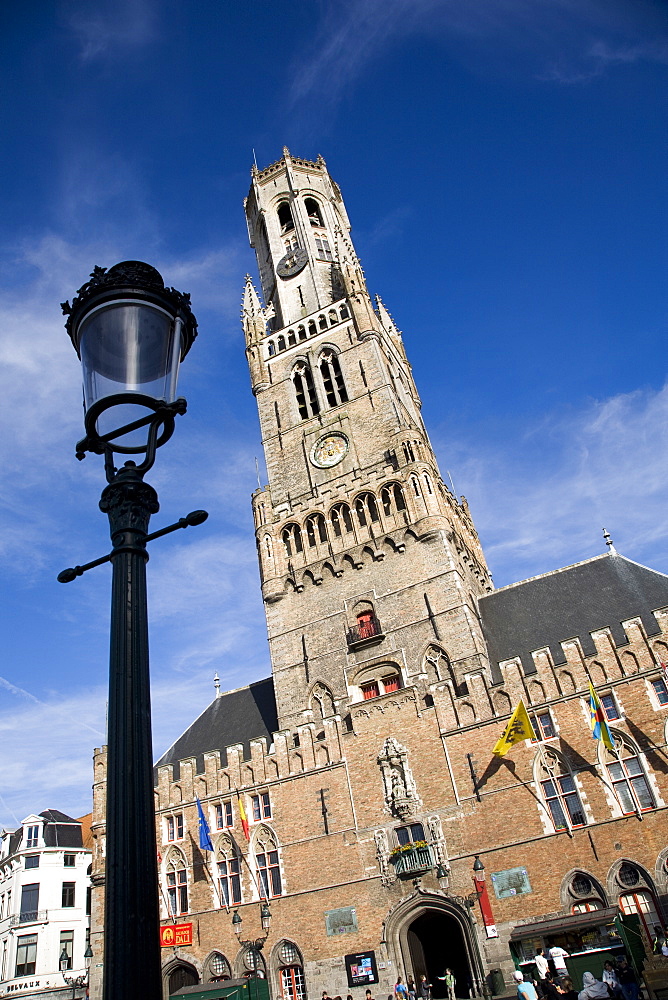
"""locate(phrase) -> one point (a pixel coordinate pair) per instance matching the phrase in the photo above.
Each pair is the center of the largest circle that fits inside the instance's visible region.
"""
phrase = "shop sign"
(176, 934)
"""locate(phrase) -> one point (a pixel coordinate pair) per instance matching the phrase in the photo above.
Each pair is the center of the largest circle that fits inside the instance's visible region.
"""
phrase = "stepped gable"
(238, 716)
(570, 603)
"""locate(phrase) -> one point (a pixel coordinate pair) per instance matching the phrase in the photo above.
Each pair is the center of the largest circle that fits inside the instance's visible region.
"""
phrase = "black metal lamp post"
(254, 944)
(130, 333)
(76, 982)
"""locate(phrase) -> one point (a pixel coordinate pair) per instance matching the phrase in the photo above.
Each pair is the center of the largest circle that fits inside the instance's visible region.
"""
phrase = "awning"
(570, 922)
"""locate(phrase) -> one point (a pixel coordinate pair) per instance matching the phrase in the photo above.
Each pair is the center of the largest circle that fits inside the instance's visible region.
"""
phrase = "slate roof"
(61, 830)
(239, 716)
(568, 603)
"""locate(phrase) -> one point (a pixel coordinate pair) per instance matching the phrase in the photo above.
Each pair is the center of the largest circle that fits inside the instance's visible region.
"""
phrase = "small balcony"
(365, 633)
(411, 861)
(29, 917)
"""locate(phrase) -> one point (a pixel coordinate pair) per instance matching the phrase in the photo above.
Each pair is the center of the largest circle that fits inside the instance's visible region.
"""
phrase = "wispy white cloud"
(564, 40)
(111, 27)
(541, 495)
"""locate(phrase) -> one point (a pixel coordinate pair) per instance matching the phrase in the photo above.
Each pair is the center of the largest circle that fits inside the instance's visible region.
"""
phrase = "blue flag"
(204, 834)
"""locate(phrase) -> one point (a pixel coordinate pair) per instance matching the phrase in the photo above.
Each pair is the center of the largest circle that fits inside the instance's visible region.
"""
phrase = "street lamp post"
(254, 944)
(75, 981)
(130, 333)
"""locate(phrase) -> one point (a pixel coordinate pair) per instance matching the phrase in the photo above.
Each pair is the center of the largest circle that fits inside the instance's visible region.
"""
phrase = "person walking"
(611, 979)
(627, 980)
(525, 991)
(400, 990)
(542, 969)
(412, 988)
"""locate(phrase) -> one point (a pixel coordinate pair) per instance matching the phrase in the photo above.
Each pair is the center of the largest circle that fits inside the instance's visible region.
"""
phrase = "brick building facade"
(364, 762)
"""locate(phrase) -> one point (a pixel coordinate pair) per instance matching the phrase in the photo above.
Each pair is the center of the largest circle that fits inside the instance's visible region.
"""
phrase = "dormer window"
(313, 211)
(285, 217)
(32, 836)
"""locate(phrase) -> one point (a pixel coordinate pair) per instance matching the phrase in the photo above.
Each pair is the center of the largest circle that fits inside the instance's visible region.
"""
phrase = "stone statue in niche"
(383, 857)
(437, 840)
(401, 797)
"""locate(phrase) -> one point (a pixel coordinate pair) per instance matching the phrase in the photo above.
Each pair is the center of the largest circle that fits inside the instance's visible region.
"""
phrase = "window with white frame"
(224, 817)
(268, 865)
(543, 725)
(559, 791)
(26, 955)
(67, 946)
(610, 707)
(641, 902)
(177, 885)
(660, 689)
(229, 874)
(32, 836)
(261, 806)
(628, 778)
(175, 827)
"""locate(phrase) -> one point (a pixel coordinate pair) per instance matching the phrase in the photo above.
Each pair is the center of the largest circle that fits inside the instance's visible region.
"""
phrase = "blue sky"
(503, 163)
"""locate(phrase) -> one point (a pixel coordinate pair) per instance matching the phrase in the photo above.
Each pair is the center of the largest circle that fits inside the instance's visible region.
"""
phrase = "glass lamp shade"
(128, 347)
(131, 333)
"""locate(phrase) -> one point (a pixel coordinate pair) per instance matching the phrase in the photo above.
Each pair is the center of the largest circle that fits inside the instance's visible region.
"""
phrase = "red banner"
(174, 935)
(485, 907)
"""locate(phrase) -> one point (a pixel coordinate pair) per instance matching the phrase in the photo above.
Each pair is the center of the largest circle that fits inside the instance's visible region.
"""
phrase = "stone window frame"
(550, 764)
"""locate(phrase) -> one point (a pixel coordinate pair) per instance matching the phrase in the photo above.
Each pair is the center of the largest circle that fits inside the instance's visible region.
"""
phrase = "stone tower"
(370, 567)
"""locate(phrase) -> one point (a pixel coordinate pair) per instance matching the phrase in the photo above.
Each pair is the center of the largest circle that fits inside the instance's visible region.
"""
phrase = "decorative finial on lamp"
(216, 684)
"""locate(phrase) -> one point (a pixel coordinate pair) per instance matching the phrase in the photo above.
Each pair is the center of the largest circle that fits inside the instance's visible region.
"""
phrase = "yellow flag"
(519, 728)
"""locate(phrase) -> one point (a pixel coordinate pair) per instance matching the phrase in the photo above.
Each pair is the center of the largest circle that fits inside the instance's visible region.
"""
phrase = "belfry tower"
(370, 567)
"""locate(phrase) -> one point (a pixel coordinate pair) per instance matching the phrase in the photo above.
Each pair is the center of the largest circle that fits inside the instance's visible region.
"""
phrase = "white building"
(44, 906)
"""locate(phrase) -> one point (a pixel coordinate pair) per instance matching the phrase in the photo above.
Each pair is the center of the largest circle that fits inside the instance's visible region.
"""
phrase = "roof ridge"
(553, 572)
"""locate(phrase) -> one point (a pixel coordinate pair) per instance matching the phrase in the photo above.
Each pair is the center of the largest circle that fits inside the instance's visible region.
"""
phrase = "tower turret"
(367, 559)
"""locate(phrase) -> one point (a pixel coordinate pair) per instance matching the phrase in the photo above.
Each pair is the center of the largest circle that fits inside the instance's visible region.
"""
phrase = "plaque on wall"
(341, 921)
(512, 882)
(361, 968)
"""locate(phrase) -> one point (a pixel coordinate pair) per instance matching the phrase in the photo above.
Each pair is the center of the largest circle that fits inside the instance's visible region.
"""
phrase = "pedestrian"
(412, 988)
(450, 983)
(611, 979)
(659, 940)
(400, 990)
(425, 988)
(567, 991)
(542, 969)
(525, 991)
(592, 988)
(550, 989)
(367, 995)
(627, 980)
(558, 955)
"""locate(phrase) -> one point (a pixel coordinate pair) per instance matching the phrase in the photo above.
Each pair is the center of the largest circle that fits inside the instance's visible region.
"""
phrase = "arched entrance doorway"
(435, 942)
(181, 975)
(428, 932)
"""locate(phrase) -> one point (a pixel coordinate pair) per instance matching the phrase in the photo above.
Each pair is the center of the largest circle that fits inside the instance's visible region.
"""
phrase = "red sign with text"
(176, 934)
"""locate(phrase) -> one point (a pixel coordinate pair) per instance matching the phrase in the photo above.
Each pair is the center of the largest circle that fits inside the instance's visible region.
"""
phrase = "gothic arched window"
(313, 211)
(218, 968)
(229, 876)
(285, 217)
(291, 972)
(628, 777)
(268, 864)
(559, 791)
(367, 509)
(292, 539)
(177, 884)
(316, 529)
(392, 498)
(307, 401)
(436, 663)
(322, 701)
(341, 519)
(332, 379)
(281, 342)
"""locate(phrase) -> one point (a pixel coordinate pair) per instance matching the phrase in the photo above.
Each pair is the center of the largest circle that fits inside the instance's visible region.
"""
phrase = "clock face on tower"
(293, 262)
(329, 450)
